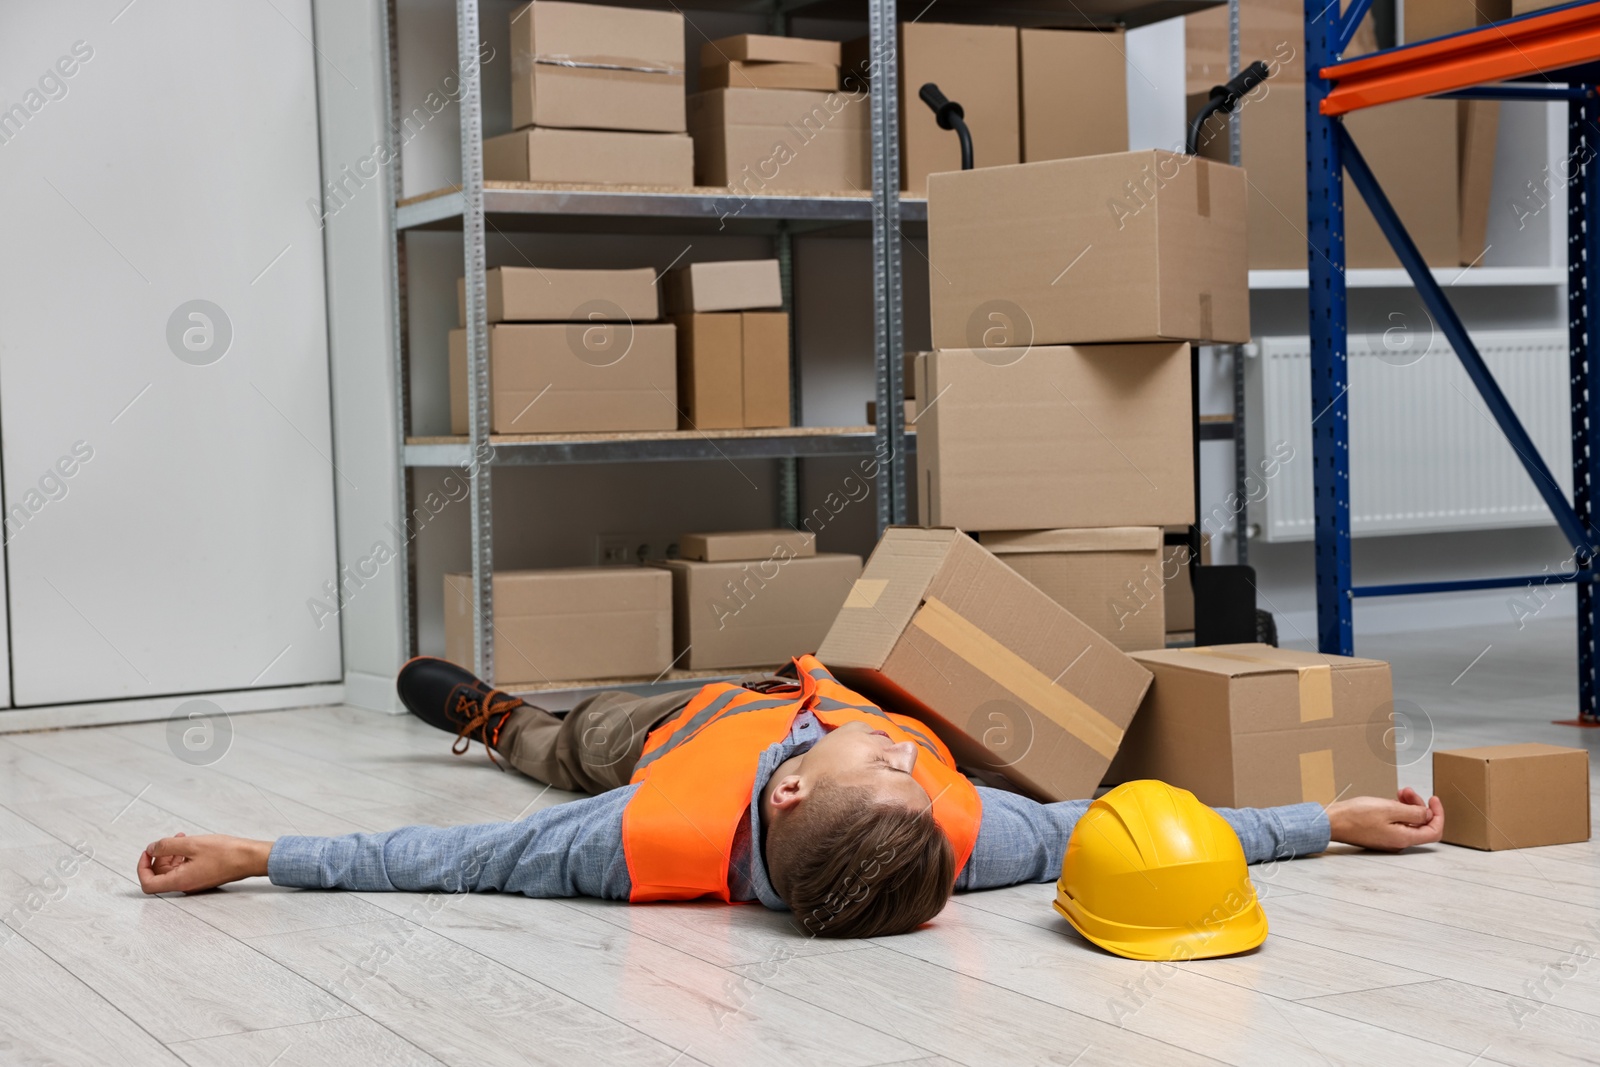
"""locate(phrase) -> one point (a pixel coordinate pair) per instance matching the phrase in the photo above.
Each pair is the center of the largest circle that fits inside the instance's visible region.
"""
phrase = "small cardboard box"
(568, 624)
(1139, 246)
(768, 48)
(1020, 689)
(765, 140)
(1092, 435)
(1074, 93)
(1426, 19)
(543, 294)
(756, 613)
(733, 369)
(1109, 577)
(1513, 796)
(740, 74)
(1257, 726)
(729, 285)
(597, 67)
(766, 369)
(590, 157)
(572, 378)
(746, 544)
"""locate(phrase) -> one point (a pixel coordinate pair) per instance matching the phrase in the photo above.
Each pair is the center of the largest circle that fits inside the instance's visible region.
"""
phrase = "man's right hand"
(187, 864)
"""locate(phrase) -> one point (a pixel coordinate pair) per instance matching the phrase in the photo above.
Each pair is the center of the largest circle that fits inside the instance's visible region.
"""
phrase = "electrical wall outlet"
(627, 549)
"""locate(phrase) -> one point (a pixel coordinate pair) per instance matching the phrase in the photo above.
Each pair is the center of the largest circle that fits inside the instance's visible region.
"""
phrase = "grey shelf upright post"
(1241, 460)
(399, 336)
(884, 96)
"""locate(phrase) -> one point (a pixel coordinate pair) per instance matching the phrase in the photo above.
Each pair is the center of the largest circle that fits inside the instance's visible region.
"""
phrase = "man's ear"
(790, 791)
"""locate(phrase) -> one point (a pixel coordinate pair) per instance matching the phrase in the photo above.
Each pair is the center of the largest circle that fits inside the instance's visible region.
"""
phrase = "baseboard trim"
(374, 692)
(108, 712)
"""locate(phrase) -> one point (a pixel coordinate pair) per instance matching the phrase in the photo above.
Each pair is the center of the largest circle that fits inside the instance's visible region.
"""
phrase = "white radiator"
(1425, 454)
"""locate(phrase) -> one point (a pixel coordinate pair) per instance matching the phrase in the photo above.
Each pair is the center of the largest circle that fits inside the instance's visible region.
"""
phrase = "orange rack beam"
(1500, 52)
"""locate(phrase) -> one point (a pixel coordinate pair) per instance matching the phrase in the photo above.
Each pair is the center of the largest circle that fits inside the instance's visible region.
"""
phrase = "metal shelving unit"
(1551, 55)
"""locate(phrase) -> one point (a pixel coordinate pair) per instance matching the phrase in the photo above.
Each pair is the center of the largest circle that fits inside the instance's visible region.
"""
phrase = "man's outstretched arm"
(1021, 840)
(571, 849)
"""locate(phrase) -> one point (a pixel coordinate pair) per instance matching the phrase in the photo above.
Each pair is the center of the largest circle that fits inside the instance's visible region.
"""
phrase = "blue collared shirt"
(575, 849)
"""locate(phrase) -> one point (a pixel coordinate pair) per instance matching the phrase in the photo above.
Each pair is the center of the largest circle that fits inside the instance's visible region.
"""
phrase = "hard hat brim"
(1240, 932)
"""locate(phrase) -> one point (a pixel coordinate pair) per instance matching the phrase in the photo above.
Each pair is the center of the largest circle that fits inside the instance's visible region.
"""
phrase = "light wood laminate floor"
(1438, 956)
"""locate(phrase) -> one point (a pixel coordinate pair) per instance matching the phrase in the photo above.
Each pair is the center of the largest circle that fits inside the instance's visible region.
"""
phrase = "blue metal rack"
(1560, 50)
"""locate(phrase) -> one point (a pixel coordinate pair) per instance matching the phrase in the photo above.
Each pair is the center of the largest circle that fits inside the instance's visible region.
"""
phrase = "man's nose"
(903, 756)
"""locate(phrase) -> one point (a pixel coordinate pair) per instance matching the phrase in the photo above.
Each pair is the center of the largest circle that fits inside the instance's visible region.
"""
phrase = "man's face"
(856, 754)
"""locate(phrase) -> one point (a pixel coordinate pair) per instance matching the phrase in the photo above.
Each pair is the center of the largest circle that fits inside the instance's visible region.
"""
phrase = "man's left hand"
(1387, 825)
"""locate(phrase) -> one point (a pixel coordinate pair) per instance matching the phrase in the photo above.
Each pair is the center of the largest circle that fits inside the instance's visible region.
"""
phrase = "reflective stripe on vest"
(698, 771)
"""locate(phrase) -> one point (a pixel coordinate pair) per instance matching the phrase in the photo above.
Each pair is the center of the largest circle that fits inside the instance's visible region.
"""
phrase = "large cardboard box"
(1478, 126)
(544, 294)
(766, 368)
(597, 67)
(1021, 690)
(733, 369)
(1093, 435)
(739, 74)
(1139, 246)
(1109, 577)
(746, 544)
(1411, 147)
(729, 285)
(572, 378)
(1513, 796)
(1074, 94)
(756, 613)
(1426, 19)
(1256, 726)
(1270, 30)
(766, 140)
(569, 624)
(590, 157)
(768, 48)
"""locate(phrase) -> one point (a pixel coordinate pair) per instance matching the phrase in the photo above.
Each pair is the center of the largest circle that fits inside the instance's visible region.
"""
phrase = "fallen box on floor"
(733, 370)
(745, 544)
(1068, 437)
(1257, 726)
(567, 624)
(1021, 690)
(590, 157)
(1137, 246)
(544, 294)
(756, 613)
(728, 285)
(1513, 796)
(1074, 93)
(572, 378)
(1109, 577)
(597, 67)
(762, 140)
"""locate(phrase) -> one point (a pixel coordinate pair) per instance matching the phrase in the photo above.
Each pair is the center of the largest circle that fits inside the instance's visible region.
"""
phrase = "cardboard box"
(590, 157)
(1523, 7)
(1269, 30)
(767, 140)
(731, 285)
(768, 48)
(544, 294)
(1410, 145)
(939, 628)
(766, 369)
(1141, 246)
(1513, 796)
(1426, 19)
(1095, 435)
(597, 67)
(746, 544)
(910, 412)
(572, 378)
(977, 67)
(756, 613)
(1179, 594)
(750, 75)
(1109, 577)
(1074, 94)
(733, 370)
(570, 624)
(1256, 726)
(1478, 126)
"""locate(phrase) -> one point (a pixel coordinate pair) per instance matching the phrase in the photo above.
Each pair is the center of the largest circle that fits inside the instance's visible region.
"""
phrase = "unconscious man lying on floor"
(794, 791)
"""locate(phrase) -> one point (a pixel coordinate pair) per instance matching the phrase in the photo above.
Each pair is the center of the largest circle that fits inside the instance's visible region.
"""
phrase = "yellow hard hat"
(1153, 874)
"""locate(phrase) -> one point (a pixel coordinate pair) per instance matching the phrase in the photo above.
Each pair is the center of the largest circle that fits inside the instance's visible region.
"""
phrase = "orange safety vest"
(698, 771)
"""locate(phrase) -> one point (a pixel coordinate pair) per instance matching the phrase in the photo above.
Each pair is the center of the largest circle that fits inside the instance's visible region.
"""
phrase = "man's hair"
(849, 866)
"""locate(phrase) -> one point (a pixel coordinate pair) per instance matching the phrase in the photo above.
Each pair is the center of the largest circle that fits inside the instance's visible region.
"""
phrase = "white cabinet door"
(164, 406)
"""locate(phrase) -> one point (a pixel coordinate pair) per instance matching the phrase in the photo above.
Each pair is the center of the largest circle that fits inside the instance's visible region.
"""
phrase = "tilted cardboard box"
(544, 294)
(1513, 796)
(597, 67)
(1110, 577)
(1257, 726)
(726, 285)
(939, 628)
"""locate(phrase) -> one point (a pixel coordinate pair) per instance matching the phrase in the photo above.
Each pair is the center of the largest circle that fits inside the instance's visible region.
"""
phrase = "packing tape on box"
(524, 63)
(1316, 682)
(1017, 676)
(1316, 777)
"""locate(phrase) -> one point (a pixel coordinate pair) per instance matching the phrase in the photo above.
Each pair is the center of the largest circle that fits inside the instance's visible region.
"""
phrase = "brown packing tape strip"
(1316, 682)
(1019, 677)
(1316, 777)
(523, 63)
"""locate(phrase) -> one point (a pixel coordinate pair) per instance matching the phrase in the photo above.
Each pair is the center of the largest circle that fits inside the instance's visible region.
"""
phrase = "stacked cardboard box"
(753, 598)
(733, 348)
(570, 351)
(1074, 93)
(768, 117)
(597, 97)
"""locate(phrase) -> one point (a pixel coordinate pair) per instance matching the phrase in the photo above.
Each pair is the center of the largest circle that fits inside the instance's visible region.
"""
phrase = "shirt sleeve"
(1021, 840)
(565, 850)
